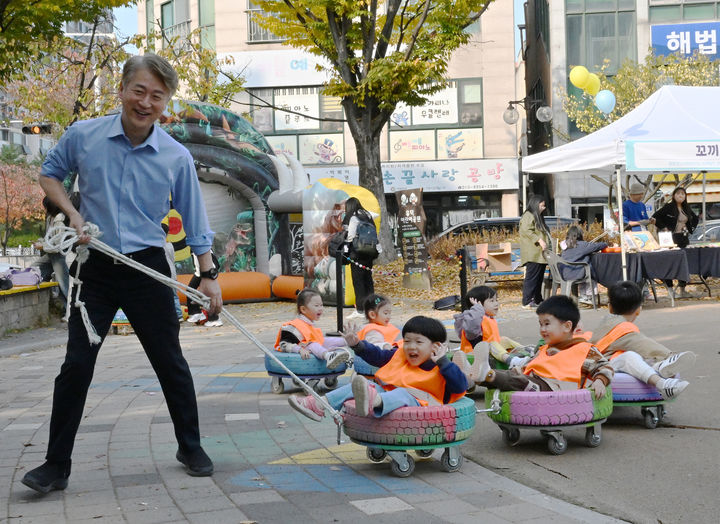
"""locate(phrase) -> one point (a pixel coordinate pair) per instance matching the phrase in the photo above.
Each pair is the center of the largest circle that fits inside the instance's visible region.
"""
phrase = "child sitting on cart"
(301, 335)
(419, 374)
(379, 331)
(565, 362)
(619, 339)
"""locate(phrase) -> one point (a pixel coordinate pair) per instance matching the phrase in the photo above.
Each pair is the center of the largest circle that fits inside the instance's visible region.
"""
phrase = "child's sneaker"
(674, 364)
(336, 358)
(194, 319)
(214, 323)
(308, 406)
(672, 387)
(364, 395)
(481, 365)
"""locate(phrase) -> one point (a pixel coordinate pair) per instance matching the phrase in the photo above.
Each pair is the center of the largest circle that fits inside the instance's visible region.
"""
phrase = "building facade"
(565, 33)
(456, 147)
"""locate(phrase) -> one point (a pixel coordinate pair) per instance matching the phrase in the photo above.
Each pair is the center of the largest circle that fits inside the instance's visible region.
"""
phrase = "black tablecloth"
(665, 265)
(703, 261)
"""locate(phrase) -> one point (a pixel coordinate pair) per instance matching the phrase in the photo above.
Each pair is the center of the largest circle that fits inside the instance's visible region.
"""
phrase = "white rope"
(61, 239)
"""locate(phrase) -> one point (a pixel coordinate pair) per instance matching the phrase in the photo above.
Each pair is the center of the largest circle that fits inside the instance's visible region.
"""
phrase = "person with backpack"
(363, 247)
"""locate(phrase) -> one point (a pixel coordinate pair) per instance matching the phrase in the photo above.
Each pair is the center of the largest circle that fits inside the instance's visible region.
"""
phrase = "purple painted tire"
(627, 388)
(550, 408)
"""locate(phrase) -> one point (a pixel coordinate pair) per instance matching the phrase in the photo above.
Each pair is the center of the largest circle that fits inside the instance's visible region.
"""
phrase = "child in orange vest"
(300, 335)
(619, 339)
(477, 324)
(419, 374)
(379, 330)
(565, 362)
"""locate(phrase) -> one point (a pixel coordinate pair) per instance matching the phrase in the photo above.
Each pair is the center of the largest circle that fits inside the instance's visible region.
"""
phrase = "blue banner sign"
(686, 39)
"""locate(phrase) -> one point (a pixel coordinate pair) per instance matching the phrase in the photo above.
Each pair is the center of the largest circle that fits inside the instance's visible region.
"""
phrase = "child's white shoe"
(672, 387)
(336, 358)
(675, 363)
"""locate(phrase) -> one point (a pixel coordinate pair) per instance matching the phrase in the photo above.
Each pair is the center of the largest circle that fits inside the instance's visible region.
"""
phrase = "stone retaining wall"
(25, 307)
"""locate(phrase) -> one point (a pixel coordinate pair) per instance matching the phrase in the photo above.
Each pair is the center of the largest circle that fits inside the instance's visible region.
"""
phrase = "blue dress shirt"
(634, 212)
(126, 190)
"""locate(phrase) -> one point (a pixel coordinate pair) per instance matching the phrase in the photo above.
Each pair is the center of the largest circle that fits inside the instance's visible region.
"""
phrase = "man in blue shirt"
(634, 210)
(128, 169)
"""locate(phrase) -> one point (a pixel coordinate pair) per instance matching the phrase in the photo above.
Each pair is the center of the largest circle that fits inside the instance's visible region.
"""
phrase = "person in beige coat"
(534, 237)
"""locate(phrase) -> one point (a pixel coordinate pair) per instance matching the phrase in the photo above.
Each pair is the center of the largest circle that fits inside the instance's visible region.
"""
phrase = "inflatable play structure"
(249, 194)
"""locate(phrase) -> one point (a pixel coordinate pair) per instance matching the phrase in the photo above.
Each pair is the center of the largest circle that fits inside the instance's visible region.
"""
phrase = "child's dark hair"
(427, 327)
(305, 296)
(574, 234)
(479, 293)
(561, 307)
(373, 302)
(625, 297)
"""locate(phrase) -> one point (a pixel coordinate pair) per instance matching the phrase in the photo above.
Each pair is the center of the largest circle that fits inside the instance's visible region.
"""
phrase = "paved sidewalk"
(271, 464)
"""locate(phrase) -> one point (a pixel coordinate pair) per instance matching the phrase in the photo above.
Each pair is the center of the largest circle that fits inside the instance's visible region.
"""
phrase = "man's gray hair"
(157, 65)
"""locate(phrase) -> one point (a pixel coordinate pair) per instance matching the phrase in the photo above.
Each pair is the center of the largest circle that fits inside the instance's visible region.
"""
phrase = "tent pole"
(704, 204)
(621, 224)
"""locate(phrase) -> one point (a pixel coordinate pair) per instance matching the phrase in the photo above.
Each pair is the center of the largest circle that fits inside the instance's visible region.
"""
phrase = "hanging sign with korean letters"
(672, 155)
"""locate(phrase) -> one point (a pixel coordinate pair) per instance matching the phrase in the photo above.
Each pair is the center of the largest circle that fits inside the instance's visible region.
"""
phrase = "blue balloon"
(605, 101)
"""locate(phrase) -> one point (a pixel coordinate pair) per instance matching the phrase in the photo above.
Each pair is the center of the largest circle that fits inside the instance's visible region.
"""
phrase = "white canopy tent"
(666, 133)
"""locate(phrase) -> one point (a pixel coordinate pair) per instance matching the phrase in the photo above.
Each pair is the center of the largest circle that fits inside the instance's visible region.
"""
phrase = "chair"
(554, 261)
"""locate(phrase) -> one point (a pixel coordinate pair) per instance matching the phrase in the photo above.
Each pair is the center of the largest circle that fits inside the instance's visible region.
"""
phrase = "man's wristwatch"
(211, 273)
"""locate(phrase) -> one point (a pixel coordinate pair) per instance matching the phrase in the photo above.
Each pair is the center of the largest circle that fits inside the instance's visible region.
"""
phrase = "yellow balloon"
(579, 76)
(593, 84)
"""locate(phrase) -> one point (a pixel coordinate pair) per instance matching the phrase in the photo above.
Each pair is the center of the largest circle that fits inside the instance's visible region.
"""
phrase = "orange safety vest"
(309, 332)
(565, 365)
(390, 333)
(619, 331)
(490, 333)
(428, 387)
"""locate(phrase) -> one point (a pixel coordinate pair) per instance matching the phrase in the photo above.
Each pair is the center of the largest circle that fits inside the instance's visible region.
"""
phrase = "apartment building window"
(662, 11)
(207, 23)
(175, 19)
(599, 30)
(149, 20)
(255, 32)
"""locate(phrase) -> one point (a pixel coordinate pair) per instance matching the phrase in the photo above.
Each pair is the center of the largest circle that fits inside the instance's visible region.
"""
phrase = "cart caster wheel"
(424, 453)
(276, 385)
(592, 440)
(448, 464)
(557, 445)
(330, 382)
(376, 455)
(511, 436)
(398, 472)
(651, 420)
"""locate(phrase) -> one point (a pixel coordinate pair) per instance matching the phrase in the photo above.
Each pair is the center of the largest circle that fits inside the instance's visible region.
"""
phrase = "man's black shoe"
(197, 462)
(48, 477)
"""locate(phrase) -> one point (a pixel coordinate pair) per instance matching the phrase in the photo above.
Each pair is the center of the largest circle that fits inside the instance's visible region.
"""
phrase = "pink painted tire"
(413, 426)
(627, 388)
(549, 408)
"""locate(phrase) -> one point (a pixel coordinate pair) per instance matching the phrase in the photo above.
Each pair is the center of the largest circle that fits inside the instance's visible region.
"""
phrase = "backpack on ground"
(366, 239)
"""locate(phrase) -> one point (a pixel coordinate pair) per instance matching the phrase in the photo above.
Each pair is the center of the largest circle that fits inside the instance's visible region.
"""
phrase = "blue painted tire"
(626, 388)
(363, 368)
(413, 426)
(296, 364)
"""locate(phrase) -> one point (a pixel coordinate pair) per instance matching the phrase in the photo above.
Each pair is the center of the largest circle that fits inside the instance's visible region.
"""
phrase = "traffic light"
(37, 129)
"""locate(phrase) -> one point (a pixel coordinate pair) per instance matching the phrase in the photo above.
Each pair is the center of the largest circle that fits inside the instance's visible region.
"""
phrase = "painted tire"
(413, 426)
(295, 363)
(363, 368)
(550, 408)
(627, 388)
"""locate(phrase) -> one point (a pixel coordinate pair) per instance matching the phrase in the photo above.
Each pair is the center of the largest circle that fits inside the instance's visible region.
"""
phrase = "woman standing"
(677, 217)
(534, 238)
(361, 276)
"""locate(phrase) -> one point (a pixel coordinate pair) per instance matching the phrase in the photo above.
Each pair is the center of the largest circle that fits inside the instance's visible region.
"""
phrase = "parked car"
(506, 224)
(711, 232)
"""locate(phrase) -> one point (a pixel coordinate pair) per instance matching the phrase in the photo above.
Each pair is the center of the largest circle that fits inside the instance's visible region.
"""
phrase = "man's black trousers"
(149, 306)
